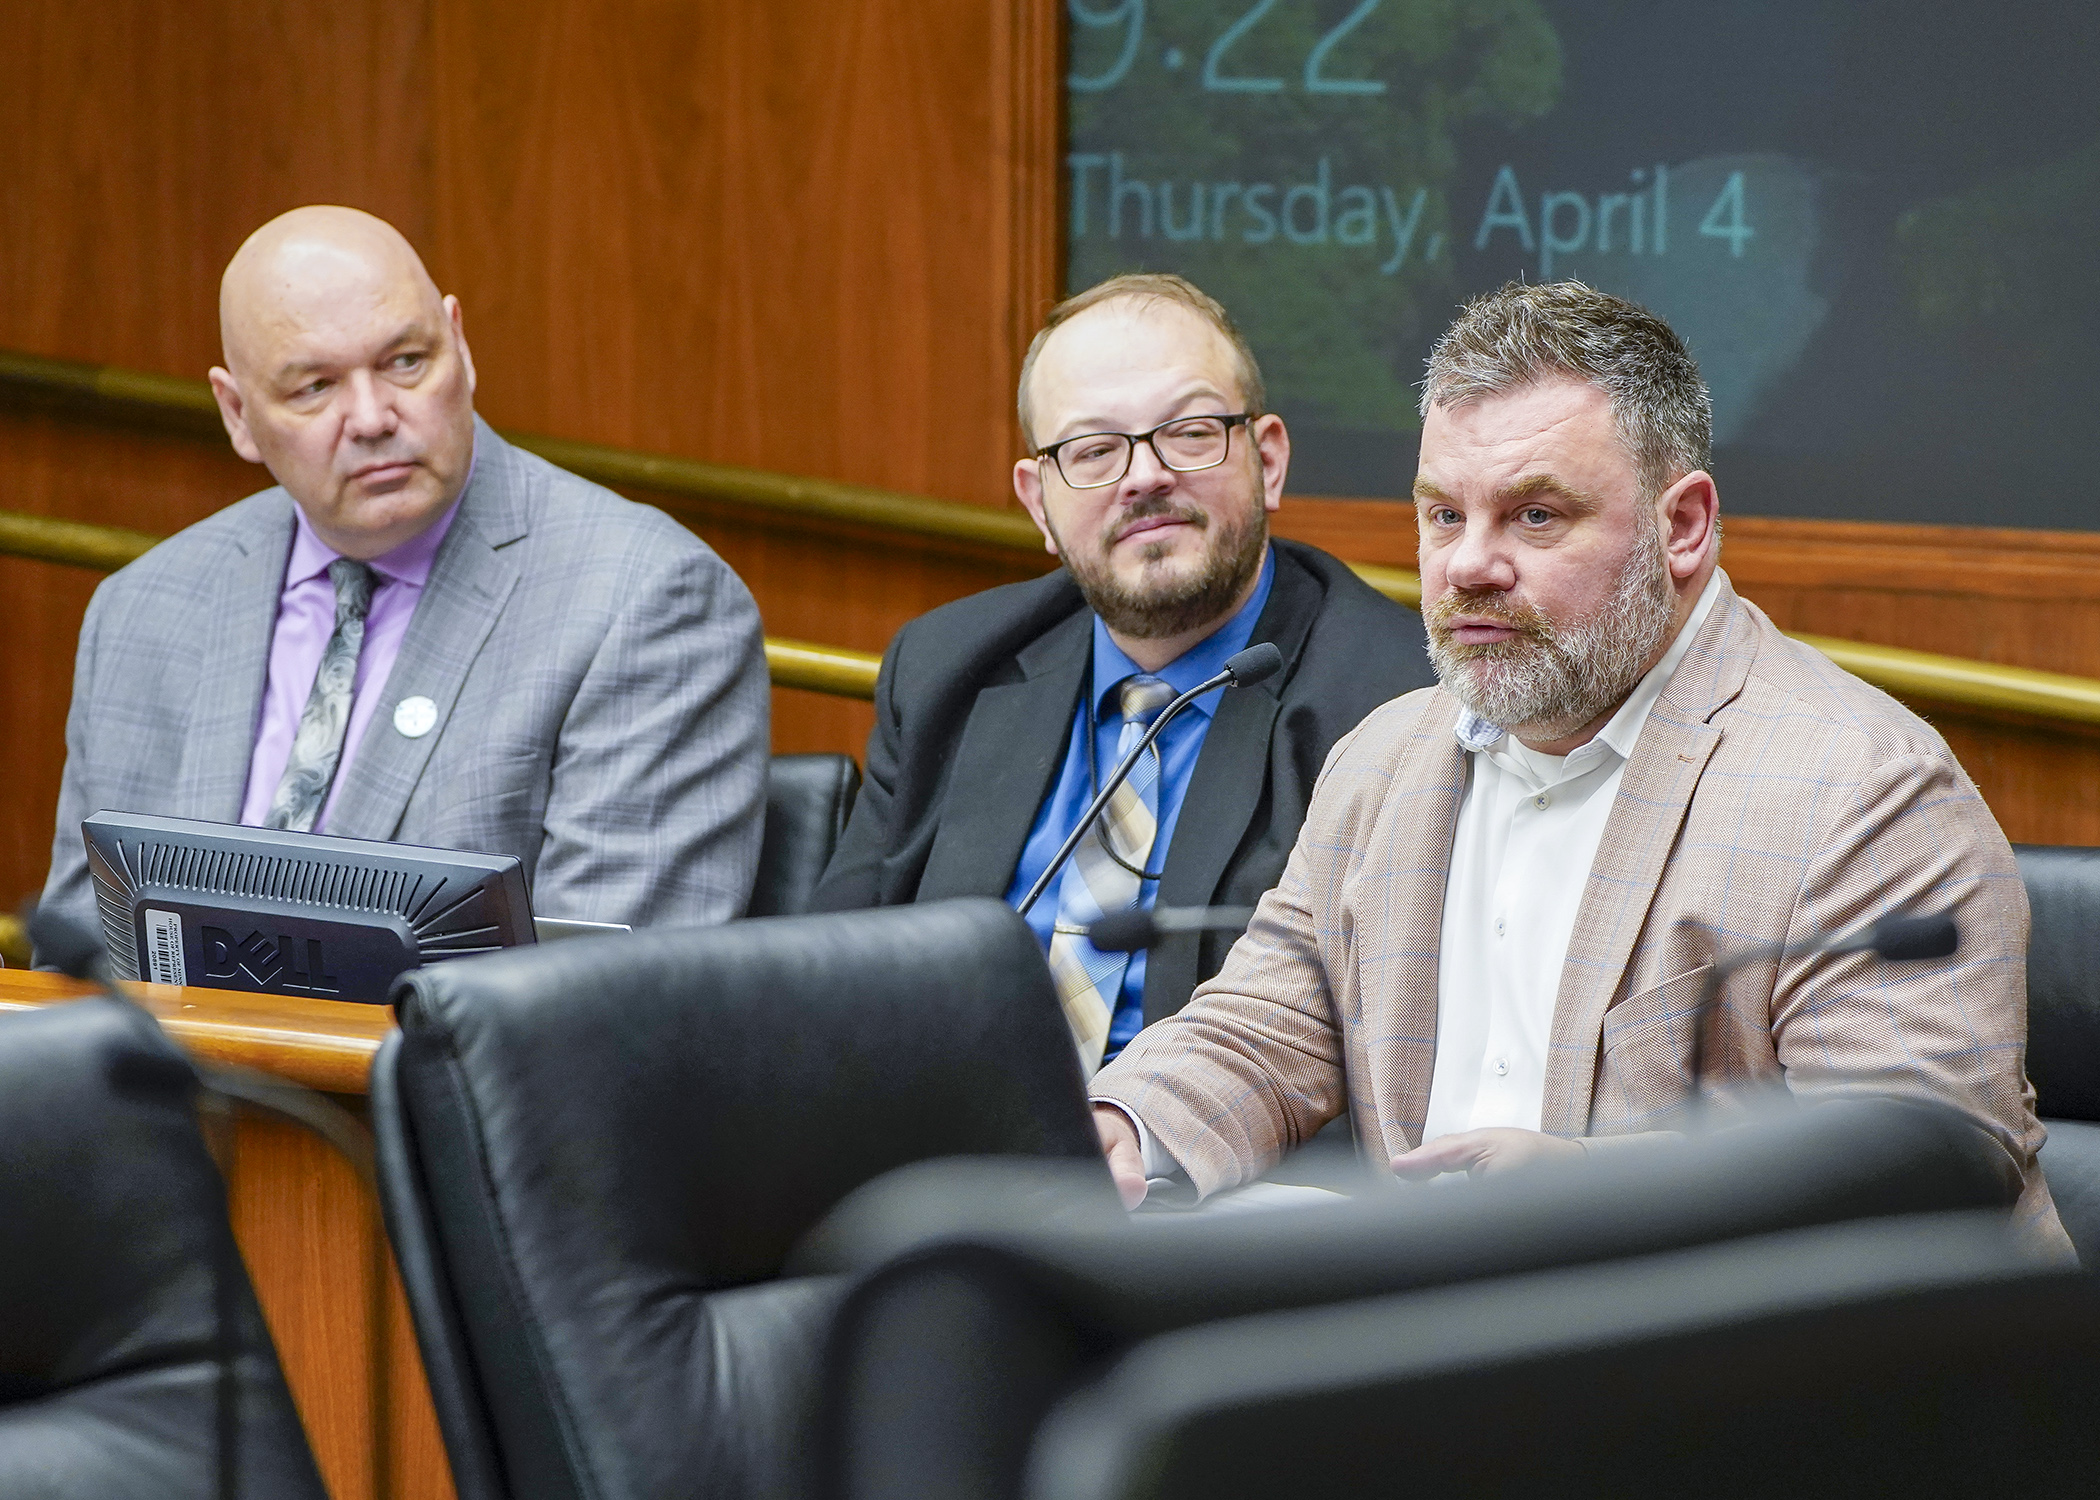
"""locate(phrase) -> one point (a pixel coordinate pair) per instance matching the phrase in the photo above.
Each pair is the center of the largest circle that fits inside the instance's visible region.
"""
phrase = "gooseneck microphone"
(1896, 939)
(1128, 931)
(1257, 663)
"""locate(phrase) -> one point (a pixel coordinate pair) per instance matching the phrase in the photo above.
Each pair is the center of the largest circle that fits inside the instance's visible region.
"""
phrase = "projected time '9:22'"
(1216, 73)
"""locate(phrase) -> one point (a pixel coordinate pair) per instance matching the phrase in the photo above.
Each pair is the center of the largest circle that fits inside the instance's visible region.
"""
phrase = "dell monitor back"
(185, 902)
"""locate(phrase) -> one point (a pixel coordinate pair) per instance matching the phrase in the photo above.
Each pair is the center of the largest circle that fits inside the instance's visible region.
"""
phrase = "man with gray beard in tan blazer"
(1510, 890)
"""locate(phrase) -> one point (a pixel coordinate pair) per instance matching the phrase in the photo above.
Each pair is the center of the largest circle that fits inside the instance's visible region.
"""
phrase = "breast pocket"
(1644, 1067)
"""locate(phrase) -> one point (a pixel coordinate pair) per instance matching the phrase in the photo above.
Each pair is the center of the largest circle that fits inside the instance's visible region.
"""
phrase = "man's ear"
(1028, 486)
(457, 319)
(1688, 514)
(1272, 449)
(233, 412)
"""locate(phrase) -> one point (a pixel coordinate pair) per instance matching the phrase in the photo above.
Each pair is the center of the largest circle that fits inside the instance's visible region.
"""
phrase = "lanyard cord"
(1093, 789)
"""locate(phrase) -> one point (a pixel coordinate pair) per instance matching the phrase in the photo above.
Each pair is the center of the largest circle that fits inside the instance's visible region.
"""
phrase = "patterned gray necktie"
(1107, 874)
(318, 746)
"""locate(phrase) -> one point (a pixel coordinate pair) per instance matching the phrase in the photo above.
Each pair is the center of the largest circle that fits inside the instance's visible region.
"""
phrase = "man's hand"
(1126, 1161)
(1473, 1152)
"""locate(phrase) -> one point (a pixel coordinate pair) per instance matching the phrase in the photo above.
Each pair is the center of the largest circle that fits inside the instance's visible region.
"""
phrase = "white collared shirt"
(1528, 832)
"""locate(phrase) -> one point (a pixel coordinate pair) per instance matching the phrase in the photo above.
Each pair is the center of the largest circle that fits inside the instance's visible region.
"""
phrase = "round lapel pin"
(415, 717)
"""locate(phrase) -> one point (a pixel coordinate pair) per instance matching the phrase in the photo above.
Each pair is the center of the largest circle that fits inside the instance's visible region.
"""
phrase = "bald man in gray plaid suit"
(422, 634)
(1510, 891)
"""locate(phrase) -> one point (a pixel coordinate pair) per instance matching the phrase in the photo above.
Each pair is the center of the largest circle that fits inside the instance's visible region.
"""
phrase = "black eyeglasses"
(1185, 445)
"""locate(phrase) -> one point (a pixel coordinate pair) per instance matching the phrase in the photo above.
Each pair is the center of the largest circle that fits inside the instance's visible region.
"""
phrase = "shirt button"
(1502, 1067)
(1542, 802)
(1498, 927)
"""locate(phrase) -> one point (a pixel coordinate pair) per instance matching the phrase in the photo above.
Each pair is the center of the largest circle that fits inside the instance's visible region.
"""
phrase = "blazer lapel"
(1226, 788)
(1396, 897)
(470, 580)
(1011, 747)
(233, 668)
(1639, 836)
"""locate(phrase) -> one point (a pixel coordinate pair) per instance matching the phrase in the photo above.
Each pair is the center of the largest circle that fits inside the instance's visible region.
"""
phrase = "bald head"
(348, 375)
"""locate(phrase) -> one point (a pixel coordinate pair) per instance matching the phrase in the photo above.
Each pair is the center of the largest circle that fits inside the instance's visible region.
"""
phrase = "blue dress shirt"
(1179, 745)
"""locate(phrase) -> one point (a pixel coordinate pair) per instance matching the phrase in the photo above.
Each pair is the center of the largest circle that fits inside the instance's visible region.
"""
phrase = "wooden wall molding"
(1028, 123)
(1943, 561)
(1930, 566)
(1987, 562)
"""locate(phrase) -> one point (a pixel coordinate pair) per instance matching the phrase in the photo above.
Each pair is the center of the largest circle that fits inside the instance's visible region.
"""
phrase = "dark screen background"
(1878, 219)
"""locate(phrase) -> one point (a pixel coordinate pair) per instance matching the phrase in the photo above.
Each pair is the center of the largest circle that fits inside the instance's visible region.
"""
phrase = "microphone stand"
(1128, 931)
(1894, 939)
(1250, 666)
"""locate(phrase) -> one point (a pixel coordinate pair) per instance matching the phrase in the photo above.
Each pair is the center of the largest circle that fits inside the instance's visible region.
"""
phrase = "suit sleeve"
(657, 799)
(1253, 1066)
(1916, 837)
(853, 878)
(67, 888)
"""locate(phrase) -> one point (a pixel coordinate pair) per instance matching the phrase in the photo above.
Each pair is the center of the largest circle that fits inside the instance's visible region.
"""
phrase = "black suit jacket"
(976, 702)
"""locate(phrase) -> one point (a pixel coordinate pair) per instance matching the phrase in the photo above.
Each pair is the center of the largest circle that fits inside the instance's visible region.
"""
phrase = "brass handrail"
(793, 664)
(117, 394)
(132, 395)
(815, 668)
(1959, 680)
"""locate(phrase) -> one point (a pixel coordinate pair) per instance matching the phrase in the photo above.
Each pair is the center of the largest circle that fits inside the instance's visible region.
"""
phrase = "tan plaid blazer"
(1770, 796)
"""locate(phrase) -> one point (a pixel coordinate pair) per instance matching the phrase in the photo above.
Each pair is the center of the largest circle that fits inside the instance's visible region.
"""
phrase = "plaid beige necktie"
(1107, 875)
(318, 746)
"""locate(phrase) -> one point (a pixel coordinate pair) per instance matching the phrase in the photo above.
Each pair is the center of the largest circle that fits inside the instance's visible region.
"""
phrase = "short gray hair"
(1519, 334)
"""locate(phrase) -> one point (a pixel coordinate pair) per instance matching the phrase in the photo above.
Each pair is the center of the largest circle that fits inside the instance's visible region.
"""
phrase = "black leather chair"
(1898, 1358)
(808, 799)
(1002, 1289)
(2063, 1029)
(594, 1158)
(121, 1292)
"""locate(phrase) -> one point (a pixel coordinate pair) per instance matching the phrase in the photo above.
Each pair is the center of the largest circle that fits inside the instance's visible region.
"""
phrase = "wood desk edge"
(324, 1044)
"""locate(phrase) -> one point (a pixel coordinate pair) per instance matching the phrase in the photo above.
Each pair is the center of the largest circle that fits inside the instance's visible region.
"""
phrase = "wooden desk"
(309, 1230)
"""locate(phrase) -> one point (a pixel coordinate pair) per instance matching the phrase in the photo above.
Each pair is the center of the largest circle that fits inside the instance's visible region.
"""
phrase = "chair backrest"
(808, 799)
(2063, 979)
(118, 1259)
(1899, 1357)
(2063, 1028)
(1040, 1287)
(586, 1151)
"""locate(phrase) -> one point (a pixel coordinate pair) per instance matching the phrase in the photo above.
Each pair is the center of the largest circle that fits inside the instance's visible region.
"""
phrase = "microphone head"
(1125, 931)
(1910, 939)
(1257, 663)
(64, 944)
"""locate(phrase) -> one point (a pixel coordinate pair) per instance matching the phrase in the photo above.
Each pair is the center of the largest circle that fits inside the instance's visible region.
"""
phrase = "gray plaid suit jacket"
(1770, 796)
(599, 677)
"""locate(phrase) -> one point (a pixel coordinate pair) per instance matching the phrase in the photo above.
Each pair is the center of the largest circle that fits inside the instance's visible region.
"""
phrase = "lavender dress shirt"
(305, 620)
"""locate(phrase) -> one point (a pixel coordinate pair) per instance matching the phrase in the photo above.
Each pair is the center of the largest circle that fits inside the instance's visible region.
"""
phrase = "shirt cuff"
(1159, 1162)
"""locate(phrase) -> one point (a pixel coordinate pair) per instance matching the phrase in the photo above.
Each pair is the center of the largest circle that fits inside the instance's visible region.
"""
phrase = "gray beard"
(1553, 678)
(1157, 613)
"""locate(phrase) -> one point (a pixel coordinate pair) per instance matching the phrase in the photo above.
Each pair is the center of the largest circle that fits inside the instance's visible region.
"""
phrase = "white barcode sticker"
(164, 947)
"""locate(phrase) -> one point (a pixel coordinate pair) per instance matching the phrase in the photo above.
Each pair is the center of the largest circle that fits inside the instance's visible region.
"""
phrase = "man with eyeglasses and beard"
(1491, 942)
(1153, 474)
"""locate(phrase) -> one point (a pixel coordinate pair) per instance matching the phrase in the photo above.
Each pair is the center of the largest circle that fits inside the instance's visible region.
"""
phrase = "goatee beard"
(1552, 678)
(1164, 610)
